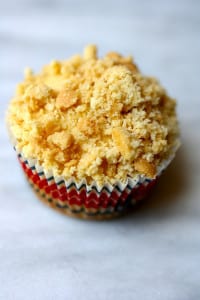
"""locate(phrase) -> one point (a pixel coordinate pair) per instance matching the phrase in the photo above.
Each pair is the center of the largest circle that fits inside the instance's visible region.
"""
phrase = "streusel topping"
(94, 118)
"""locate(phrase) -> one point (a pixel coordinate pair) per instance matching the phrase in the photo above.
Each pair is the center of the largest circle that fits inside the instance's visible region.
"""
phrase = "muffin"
(92, 134)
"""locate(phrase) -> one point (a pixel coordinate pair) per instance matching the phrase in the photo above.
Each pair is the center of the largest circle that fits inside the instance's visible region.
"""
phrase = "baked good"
(92, 132)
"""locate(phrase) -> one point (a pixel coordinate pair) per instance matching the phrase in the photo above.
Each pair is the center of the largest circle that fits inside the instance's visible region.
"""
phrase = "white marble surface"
(153, 253)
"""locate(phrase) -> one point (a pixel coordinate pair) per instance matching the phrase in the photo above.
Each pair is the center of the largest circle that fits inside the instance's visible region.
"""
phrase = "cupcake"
(92, 134)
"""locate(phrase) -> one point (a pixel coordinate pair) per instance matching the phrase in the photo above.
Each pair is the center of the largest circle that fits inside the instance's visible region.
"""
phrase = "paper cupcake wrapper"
(81, 199)
(87, 201)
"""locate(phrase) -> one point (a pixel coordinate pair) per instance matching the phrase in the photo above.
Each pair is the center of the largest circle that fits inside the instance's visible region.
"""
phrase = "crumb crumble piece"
(61, 139)
(66, 99)
(145, 167)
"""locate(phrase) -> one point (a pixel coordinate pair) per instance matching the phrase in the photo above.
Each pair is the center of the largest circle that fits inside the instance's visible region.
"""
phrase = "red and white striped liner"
(87, 201)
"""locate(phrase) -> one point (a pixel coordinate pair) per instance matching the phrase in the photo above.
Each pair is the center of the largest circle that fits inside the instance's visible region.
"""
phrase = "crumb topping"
(94, 118)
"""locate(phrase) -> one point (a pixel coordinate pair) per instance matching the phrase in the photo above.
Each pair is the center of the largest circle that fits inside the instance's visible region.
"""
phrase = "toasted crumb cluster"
(94, 118)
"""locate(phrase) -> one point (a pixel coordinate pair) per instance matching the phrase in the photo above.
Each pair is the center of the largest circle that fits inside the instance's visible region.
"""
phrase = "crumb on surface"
(94, 118)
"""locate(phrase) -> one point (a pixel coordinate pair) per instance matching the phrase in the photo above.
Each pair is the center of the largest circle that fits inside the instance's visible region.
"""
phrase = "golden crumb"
(122, 141)
(90, 52)
(87, 126)
(94, 118)
(66, 99)
(144, 167)
(61, 139)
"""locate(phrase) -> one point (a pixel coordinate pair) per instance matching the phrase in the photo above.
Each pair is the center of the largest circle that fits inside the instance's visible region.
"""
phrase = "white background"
(153, 253)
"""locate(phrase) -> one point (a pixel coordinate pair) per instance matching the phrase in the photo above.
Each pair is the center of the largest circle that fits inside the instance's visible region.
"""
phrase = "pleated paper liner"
(87, 201)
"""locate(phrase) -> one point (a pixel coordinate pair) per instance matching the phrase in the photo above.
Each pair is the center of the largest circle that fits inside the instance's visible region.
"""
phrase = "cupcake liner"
(82, 200)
